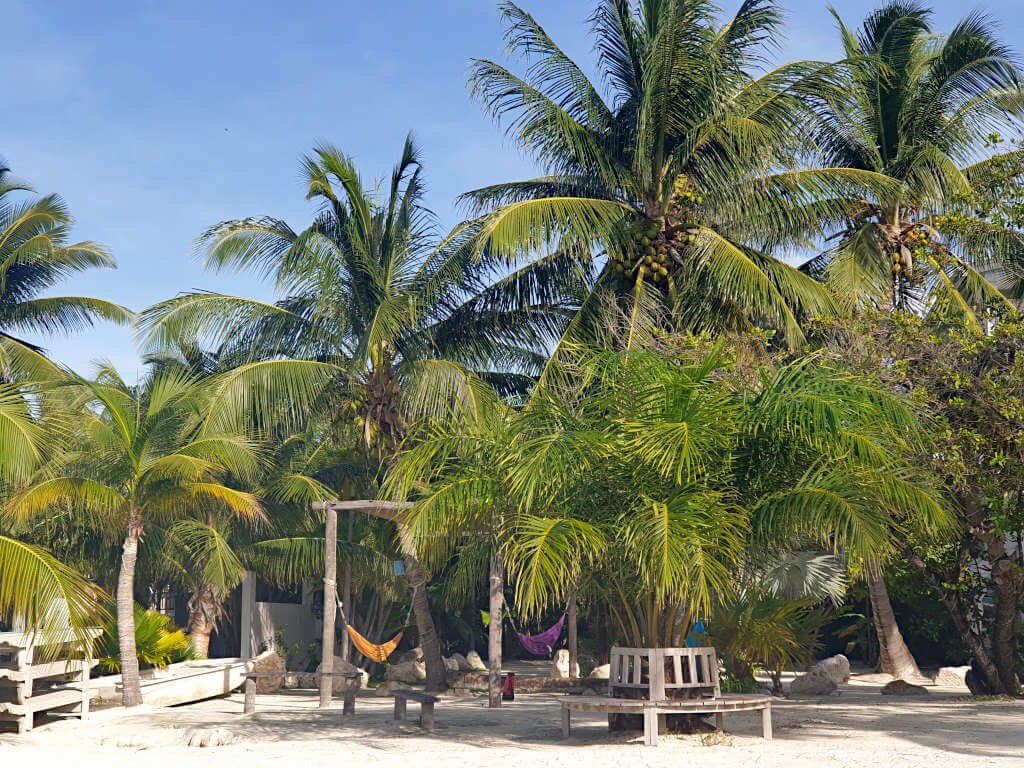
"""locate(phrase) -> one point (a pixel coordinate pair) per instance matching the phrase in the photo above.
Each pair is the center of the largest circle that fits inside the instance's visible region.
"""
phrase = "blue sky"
(156, 120)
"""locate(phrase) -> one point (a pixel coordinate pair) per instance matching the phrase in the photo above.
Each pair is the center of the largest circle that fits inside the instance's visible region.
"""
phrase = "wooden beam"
(387, 510)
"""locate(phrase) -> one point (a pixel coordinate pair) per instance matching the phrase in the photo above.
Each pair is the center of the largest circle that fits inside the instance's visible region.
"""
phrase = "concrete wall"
(261, 620)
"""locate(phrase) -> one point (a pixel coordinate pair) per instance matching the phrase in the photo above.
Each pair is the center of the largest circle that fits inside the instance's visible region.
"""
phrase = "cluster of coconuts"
(651, 248)
(902, 257)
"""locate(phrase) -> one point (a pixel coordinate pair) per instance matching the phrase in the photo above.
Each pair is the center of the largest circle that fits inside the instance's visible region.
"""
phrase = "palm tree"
(664, 474)
(917, 109)
(920, 110)
(369, 296)
(681, 171)
(43, 594)
(137, 454)
(35, 254)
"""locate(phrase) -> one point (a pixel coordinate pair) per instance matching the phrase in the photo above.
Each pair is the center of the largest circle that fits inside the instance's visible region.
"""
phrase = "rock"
(903, 688)
(601, 672)
(952, 677)
(560, 664)
(408, 672)
(268, 663)
(413, 654)
(341, 685)
(208, 737)
(469, 681)
(451, 664)
(817, 682)
(462, 662)
(836, 667)
(474, 661)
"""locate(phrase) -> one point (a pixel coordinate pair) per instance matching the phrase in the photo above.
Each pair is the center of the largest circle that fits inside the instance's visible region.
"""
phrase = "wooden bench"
(655, 712)
(349, 697)
(426, 702)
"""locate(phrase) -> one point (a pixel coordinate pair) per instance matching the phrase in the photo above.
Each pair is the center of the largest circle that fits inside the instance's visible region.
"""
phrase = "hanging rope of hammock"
(377, 652)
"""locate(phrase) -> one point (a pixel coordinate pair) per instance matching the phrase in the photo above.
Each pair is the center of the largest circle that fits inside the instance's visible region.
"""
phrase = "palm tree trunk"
(131, 694)
(203, 608)
(496, 607)
(437, 679)
(894, 656)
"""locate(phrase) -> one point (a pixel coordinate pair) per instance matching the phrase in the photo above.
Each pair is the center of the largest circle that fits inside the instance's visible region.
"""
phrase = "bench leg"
(250, 697)
(427, 715)
(650, 728)
(565, 722)
(348, 706)
(399, 708)
(766, 721)
(719, 722)
(25, 722)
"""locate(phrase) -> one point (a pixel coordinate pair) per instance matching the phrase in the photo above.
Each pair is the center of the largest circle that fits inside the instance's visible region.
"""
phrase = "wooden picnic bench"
(348, 698)
(426, 702)
(657, 682)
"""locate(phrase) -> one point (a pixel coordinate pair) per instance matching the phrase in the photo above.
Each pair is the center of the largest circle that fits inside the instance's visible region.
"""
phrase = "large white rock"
(836, 667)
(817, 682)
(601, 672)
(952, 677)
(560, 664)
(268, 663)
(339, 685)
(462, 662)
(474, 660)
(408, 672)
(451, 664)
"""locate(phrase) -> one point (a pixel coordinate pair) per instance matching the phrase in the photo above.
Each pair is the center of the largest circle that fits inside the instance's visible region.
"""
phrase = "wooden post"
(346, 598)
(427, 715)
(330, 609)
(766, 721)
(497, 605)
(574, 660)
(250, 696)
(399, 708)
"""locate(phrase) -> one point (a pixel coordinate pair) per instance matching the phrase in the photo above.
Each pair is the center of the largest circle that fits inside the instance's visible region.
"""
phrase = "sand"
(858, 728)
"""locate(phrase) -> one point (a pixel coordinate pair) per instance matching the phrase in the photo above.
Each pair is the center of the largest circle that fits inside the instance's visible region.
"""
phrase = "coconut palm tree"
(137, 454)
(920, 109)
(674, 182)
(368, 295)
(35, 254)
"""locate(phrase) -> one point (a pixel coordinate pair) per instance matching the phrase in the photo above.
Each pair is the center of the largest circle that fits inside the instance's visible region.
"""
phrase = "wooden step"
(41, 702)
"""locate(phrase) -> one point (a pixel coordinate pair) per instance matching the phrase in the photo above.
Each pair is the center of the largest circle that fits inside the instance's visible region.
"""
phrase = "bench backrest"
(652, 673)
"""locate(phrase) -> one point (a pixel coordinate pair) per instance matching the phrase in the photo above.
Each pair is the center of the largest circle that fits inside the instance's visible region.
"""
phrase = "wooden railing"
(657, 674)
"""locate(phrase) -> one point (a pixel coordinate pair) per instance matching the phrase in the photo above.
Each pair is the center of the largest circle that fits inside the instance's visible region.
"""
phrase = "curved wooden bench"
(654, 712)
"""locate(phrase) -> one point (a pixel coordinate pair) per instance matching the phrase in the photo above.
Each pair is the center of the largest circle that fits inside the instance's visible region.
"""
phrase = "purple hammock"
(544, 643)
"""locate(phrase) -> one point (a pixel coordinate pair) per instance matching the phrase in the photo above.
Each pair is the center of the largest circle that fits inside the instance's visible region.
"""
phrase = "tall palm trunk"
(497, 608)
(203, 609)
(131, 694)
(894, 656)
(437, 679)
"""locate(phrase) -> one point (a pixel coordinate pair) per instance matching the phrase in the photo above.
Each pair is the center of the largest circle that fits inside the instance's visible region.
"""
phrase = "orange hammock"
(372, 651)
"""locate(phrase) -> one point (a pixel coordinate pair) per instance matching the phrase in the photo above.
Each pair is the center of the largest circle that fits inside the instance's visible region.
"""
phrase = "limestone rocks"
(474, 661)
(560, 664)
(903, 688)
(601, 672)
(268, 663)
(413, 654)
(837, 667)
(340, 685)
(451, 664)
(952, 677)
(408, 672)
(817, 682)
(462, 662)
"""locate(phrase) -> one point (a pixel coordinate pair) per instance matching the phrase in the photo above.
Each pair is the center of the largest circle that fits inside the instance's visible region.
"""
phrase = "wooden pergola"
(387, 510)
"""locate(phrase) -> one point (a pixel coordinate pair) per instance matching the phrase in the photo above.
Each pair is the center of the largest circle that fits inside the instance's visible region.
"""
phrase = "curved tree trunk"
(203, 609)
(131, 695)
(437, 679)
(894, 656)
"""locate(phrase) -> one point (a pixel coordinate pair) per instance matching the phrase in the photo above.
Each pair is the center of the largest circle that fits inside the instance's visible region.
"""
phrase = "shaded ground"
(857, 728)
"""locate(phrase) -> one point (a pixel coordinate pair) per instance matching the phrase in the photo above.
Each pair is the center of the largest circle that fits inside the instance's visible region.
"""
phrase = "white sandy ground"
(858, 728)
